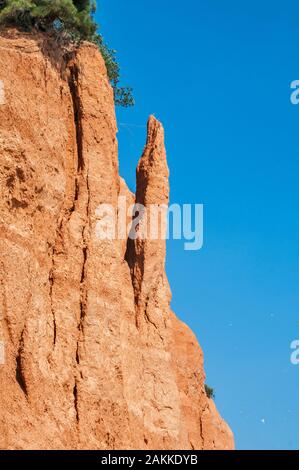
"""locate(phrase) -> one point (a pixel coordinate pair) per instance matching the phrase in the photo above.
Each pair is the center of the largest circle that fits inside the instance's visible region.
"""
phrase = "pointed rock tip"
(154, 153)
(152, 121)
(154, 129)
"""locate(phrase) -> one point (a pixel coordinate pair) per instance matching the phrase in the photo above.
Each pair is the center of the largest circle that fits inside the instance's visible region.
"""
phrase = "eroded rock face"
(94, 357)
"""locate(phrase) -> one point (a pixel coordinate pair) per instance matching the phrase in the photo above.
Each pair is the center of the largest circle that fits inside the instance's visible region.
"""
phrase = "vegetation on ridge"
(210, 392)
(72, 20)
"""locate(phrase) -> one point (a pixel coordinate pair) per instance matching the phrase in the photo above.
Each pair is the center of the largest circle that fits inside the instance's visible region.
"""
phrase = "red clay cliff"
(94, 356)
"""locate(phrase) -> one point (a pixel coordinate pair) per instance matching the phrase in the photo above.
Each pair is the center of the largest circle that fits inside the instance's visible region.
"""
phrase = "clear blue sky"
(217, 74)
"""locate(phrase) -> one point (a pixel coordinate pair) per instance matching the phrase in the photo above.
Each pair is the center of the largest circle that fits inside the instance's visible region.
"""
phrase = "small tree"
(74, 19)
(210, 392)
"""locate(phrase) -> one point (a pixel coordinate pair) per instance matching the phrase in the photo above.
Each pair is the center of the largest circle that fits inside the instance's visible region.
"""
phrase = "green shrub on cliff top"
(71, 19)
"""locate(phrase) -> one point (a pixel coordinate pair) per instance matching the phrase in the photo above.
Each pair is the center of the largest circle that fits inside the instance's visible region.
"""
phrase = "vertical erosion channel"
(81, 186)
